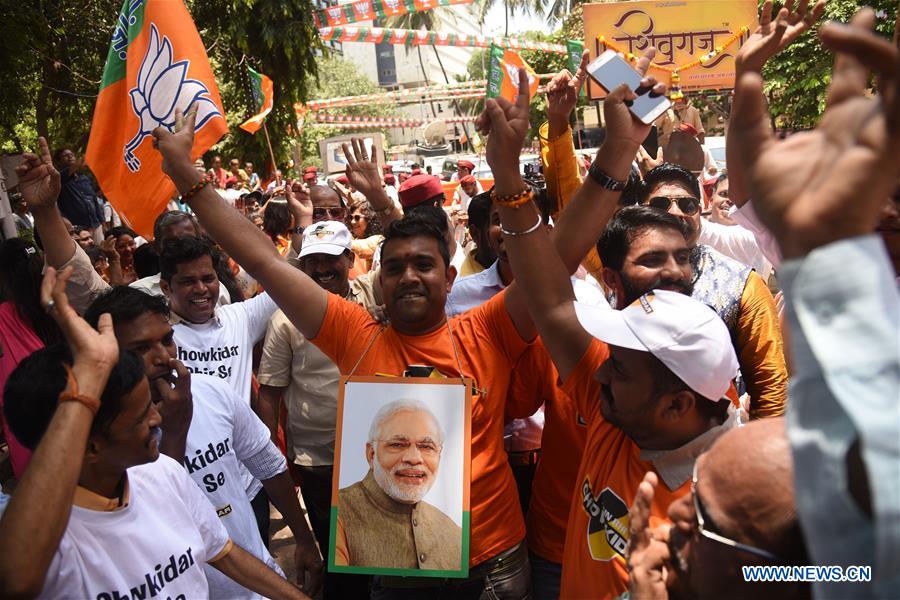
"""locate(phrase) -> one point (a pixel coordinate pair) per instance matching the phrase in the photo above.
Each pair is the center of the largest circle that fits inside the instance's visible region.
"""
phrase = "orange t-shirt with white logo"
(488, 346)
(535, 380)
(611, 469)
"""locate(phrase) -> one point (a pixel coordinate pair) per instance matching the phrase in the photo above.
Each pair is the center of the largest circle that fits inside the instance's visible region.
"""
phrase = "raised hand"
(363, 173)
(108, 246)
(648, 551)
(806, 190)
(175, 148)
(563, 90)
(94, 352)
(298, 201)
(622, 127)
(647, 162)
(38, 179)
(506, 125)
(772, 36)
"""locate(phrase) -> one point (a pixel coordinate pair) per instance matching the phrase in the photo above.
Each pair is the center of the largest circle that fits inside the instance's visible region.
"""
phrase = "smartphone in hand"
(611, 70)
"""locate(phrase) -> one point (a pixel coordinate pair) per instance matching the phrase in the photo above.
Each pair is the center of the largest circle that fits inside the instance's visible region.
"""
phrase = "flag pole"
(269, 144)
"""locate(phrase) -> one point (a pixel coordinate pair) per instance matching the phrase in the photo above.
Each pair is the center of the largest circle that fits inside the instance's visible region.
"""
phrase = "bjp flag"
(156, 64)
(261, 87)
(503, 74)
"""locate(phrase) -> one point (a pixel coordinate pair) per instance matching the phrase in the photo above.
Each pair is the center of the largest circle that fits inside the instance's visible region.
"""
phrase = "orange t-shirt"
(611, 469)
(563, 441)
(488, 346)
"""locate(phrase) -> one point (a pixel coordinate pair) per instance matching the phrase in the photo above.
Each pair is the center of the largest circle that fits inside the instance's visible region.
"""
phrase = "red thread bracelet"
(204, 181)
(73, 396)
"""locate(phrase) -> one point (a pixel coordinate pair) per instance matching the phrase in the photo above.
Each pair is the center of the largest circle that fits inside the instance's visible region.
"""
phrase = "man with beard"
(737, 293)
(650, 381)
(386, 509)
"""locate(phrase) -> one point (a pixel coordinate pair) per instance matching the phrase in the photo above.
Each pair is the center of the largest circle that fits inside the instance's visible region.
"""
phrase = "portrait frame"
(449, 400)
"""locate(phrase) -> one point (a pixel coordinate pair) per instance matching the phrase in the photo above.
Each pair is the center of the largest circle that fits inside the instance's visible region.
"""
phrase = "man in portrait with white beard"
(382, 520)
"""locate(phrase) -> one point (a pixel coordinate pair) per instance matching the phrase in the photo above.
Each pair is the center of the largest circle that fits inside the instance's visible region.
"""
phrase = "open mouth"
(200, 302)
(411, 477)
(326, 278)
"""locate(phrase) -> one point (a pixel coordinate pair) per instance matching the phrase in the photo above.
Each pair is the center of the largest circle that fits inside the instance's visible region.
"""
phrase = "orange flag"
(503, 74)
(261, 86)
(156, 64)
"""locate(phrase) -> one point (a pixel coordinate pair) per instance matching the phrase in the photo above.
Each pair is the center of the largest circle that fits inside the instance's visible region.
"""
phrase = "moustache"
(683, 285)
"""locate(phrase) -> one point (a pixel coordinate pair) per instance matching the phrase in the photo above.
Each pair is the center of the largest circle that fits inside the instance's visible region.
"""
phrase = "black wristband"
(604, 180)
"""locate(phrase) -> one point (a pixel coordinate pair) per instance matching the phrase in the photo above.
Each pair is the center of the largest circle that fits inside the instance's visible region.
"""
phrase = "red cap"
(343, 180)
(465, 164)
(416, 171)
(687, 128)
(387, 169)
(389, 179)
(310, 170)
(418, 189)
(403, 177)
(467, 179)
(310, 176)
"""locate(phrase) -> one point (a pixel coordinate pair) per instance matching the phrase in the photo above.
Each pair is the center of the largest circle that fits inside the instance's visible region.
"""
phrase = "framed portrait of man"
(400, 502)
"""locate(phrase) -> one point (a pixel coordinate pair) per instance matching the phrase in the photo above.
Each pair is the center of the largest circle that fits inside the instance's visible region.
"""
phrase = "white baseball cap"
(326, 237)
(686, 335)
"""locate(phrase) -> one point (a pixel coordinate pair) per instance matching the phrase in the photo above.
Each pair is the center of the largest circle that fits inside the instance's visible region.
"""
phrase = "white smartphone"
(611, 70)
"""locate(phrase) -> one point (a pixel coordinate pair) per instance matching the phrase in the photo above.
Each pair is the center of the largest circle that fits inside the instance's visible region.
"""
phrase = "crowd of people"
(662, 397)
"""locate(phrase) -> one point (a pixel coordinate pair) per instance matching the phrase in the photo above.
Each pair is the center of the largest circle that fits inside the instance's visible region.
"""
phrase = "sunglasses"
(686, 204)
(704, 524)
(333, 212)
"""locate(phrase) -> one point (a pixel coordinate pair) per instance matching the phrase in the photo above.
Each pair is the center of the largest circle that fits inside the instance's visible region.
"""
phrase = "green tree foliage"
(52, 56)
(796, 79)
(339, 77)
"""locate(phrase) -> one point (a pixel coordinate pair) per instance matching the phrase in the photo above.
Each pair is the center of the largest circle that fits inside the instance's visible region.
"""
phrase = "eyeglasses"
(332, 212)
(425, 447)
(686, 204)
(703, 523)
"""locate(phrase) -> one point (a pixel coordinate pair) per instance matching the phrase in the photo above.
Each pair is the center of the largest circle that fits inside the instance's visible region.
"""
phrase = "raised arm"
(593, 205)
(38, 514)
(39, 183)
(365, 175)
(302, 300)
(770, 37)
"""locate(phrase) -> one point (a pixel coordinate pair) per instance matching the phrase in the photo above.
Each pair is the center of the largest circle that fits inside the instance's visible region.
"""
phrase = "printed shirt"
(224, 433)
(488, 346)
(154, 545)
(610, 471)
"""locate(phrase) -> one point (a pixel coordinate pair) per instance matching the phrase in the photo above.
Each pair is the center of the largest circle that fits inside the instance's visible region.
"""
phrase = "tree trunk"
(455, 103)
(425, 77)
(506, 17)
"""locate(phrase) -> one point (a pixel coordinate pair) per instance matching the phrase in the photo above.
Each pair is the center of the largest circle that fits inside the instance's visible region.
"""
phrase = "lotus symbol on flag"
(512, 71)
(161, 88)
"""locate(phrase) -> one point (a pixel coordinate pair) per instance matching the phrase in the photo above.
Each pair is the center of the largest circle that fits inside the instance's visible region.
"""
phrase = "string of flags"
(368, 10)
(411, 37)
(399, 96)
(375, 122)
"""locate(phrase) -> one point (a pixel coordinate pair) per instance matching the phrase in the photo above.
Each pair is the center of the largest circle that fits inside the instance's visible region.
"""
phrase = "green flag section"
(156, 66)
(503, 74)
(575, 49)
(261, 87)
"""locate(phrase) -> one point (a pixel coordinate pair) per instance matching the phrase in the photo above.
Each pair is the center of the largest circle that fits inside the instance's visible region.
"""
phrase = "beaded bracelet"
(531, 229)
(204, 181)
(513, 200)
(73, 396)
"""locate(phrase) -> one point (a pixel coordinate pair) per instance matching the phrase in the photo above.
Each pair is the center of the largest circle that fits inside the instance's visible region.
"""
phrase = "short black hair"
(719, 180)
(276, 219)
(32, 392)
(146, 261)
(80, 228)
(125, 303)
(420, 222)
(167, 219)
(181, 250)
(479, 210)
(120, 231)
(666, 381)
(670, 173)
(625, 225)
(632, 192)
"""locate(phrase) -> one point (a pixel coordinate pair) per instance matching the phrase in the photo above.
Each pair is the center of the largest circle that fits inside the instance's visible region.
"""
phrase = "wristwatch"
(604, 180)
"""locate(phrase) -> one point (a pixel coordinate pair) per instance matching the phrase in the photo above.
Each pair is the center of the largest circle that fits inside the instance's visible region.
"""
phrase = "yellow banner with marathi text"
(696, 39)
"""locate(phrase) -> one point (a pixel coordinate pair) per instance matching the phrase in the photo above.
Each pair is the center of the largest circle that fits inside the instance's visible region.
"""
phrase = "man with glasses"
(730, 518)
(736, 292)
(386, 508)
